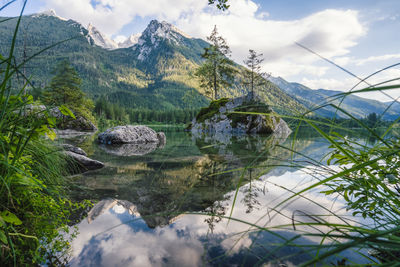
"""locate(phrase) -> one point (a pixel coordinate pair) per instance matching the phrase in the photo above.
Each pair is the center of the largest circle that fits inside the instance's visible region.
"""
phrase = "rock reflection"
(141, 224)
(127, 150)
(118, 236)
(163, 186)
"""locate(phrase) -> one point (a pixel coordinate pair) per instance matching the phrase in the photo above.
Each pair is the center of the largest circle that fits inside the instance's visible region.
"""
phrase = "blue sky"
(360, 35)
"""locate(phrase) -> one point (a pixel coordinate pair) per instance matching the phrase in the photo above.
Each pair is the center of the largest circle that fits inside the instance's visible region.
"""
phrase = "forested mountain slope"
(154, 73)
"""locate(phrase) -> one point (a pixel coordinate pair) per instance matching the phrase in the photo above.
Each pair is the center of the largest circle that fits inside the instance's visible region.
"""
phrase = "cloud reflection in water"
(116, 236)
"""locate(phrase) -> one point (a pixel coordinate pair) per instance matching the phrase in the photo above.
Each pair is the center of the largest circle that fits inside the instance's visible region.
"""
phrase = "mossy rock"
(239, 115)
(211, 110)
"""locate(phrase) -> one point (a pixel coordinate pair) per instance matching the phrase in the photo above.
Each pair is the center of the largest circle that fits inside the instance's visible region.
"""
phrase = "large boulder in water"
(130, 134)
(220, 118)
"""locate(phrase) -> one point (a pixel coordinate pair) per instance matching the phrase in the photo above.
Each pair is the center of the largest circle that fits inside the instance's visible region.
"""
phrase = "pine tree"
(65, 90)
(254, 78)
(217, 71)
(64, 87)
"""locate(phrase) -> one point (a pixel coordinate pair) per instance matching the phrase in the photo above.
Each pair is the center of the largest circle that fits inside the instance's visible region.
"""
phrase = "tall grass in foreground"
(367, 177)
(32, 208)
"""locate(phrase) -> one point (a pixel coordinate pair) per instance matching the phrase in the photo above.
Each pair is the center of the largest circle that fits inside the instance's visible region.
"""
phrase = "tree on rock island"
(217, 70)
(254, 78)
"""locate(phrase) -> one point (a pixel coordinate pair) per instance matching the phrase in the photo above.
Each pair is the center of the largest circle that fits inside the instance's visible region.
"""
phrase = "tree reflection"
(250, 195)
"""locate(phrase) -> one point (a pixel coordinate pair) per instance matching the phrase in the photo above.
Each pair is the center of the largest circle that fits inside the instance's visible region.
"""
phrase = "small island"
(240, 115)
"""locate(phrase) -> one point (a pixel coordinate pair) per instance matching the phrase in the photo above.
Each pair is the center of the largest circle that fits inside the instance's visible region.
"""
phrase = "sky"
(358, 35)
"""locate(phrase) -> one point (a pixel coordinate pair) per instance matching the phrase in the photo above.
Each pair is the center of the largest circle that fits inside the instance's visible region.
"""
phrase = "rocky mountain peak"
(100, 39)
(164, 29)
(155, 33)
(50, 13)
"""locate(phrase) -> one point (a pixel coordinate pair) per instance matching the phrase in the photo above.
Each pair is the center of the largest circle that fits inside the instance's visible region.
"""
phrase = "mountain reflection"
(167, 183)
(146, 203)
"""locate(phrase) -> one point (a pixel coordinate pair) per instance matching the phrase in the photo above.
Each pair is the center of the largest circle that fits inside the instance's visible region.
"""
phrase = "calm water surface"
(154, 204)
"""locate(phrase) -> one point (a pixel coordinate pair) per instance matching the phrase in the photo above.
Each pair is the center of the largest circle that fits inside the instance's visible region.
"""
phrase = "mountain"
(155, 72)
(357, 106)
(100, 39)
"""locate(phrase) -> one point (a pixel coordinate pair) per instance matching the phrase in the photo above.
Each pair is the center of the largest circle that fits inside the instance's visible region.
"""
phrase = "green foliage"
(33, 209)
(254, 78)
(211, 110)
(217, 71)
(250, 107)
(221, 4)
(64, 90)
(159, 82)
(111, 115)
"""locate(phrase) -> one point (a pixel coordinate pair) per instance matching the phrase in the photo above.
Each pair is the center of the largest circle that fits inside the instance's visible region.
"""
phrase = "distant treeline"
(115, 112)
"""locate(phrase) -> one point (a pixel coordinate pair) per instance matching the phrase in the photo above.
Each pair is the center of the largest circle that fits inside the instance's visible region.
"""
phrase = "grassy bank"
(33, 204)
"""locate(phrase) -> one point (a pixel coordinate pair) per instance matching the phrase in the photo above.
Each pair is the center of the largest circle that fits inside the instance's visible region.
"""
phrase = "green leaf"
(3, 237)
(51, 134)
(10, 217)
(51, 121)
(66, 111)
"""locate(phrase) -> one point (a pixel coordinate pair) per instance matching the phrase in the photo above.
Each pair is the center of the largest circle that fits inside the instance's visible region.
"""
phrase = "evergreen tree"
(372, 120)
(65, 90)
(253, 76)
(217, 71)
(64, 87)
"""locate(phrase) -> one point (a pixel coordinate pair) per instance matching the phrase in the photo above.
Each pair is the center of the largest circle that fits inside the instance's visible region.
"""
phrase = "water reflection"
(118, 236)
(139, 220)
(128, 150)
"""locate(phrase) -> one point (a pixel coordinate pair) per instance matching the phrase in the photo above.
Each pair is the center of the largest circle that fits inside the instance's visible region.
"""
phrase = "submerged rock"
(74, 149)
(78, 160)
(130, 134)
(162, 139)
(219, 118)
(83, 163)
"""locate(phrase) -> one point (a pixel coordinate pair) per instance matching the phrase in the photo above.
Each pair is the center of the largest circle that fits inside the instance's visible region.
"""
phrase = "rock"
(74, 149)
(128, 150)
(129, 134)
(79, 124)
(162, 140)
(63, 122)
(81, 163)
(219, 118)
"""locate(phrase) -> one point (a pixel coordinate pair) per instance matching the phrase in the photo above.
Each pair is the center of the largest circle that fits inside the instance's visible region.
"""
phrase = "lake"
(170, 206)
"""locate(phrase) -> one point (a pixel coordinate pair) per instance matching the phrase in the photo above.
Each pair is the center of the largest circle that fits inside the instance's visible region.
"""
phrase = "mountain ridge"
(157, 72)
(357, 106)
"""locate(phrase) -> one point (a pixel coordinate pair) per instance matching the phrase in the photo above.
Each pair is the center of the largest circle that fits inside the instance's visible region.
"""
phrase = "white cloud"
(342, 61)
(331, 33)
(329, 83)
(262, 15)
(120, 38)
(370, 59)
(109, 16)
